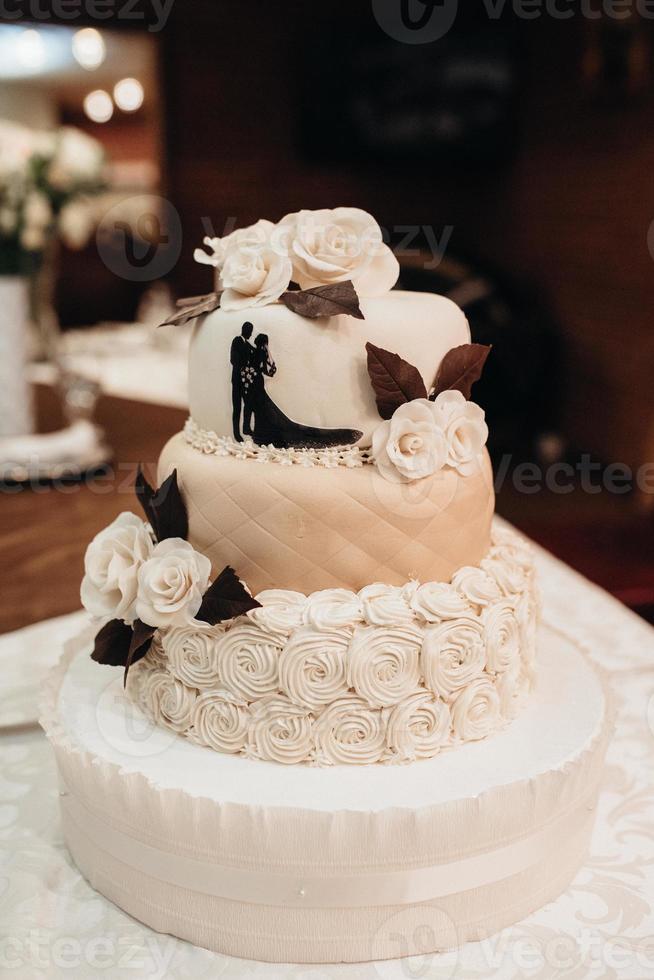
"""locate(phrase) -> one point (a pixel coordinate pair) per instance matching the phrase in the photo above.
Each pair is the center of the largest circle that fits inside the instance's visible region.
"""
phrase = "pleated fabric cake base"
(307, 865)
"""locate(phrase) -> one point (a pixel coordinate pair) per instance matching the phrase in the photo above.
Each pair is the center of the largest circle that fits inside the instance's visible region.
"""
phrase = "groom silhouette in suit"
(240, 355)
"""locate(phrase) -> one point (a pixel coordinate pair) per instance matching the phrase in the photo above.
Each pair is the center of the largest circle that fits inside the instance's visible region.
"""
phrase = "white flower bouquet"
(45, 180)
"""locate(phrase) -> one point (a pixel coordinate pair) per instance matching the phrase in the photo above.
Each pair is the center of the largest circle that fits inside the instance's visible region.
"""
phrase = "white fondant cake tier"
(321, 377)
(308, 528)
(291, 864)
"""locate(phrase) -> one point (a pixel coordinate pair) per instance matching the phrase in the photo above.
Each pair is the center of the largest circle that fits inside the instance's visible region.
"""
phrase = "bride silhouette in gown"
(270, 424)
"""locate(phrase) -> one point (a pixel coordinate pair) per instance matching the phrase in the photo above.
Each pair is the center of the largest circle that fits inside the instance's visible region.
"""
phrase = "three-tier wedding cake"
(329, 642)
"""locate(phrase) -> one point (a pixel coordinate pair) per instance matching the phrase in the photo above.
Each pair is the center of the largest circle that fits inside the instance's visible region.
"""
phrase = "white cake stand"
(345, 864)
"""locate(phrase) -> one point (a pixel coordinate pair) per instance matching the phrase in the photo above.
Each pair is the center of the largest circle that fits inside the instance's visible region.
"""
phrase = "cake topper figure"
(263, 421)
(240, 356)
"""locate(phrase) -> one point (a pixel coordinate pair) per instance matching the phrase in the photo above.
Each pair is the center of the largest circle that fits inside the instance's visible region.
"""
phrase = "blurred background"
(508, 159)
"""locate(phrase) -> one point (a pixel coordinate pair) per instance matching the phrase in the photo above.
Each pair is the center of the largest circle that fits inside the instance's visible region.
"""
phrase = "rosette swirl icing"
(332, 609)
(476, 585)
(453, 655)
(476, 710)
(312, 667)
(349, 731)
(191, 654)
(281, 610)
(502, 636)
(221, 721)
(435, 601)
(385, 605)
(384, 663)
(280, 731)
(511, 578)
(166, 699)
(248, 661)
(418, 726)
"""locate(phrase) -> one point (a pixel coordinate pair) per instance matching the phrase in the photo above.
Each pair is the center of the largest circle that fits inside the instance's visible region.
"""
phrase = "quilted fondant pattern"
(302, 528)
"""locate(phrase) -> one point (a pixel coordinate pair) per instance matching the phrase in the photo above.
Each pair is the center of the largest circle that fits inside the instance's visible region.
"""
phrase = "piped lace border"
(211, 443)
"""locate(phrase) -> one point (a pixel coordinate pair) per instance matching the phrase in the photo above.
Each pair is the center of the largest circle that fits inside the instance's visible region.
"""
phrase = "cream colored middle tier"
(309, 528)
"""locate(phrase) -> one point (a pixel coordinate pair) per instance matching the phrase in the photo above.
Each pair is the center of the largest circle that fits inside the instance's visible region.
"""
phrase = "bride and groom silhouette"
(263, 421)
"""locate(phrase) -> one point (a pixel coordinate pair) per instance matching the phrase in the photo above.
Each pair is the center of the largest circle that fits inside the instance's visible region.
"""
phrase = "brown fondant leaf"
(192, 307)
(334, 300)
(164, 508)
(394, 380)
(460, 368)
(112, 644)
(144, 494)
(140, 644)
(226, 598)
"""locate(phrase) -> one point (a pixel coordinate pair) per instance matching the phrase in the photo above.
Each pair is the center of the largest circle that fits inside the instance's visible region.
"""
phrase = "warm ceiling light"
(128, 94)
(89, 48)
(30, 50)
(98, 106)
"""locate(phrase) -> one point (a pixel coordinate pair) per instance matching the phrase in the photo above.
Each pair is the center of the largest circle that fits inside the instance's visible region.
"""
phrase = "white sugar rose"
(330, 246)
(167, 700)
(476, 711)
(248, 661)
(312, 667)
(332, 609)
(418, 727)
(253, 276)
(220, 721)
(435, 601)
(349, 731)
(383, 663)
(453, 655)
(280, 731)
(171, 584)
(111, 566)
(502, 637)
(255, 236)
(191, 654)
(410, 445)
(465, 429)
(386, 605)
(281, 610)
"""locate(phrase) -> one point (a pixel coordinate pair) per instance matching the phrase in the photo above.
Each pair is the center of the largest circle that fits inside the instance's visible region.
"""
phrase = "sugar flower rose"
(453, 655)
(349, 731)
(253, 236)
(410, 445)
(248, 660)
(253, 276)
(502, 637)
(171, 584)
(312, 667)
(476, 710)
(111, 567)
(465, 430)
(191, 654)
(330, 246)
(220, 721)
(167, 700)
(383, 663)
(418, 727)
(280, 731)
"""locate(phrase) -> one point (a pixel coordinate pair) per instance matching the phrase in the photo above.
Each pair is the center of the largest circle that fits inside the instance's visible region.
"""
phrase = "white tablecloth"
(52, 924)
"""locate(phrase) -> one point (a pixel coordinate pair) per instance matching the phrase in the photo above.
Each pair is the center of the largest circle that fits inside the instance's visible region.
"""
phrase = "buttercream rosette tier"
(388, 674)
